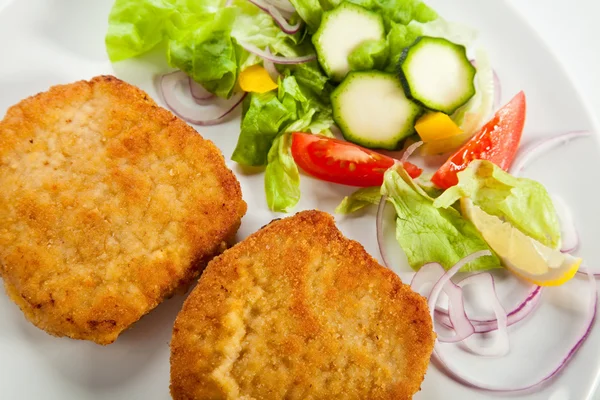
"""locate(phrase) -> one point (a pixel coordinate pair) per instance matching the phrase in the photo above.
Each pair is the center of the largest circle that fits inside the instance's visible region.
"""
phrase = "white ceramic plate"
(44, 43)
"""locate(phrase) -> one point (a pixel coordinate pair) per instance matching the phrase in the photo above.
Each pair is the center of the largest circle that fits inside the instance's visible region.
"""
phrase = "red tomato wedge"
(342, 162)
(497, 142)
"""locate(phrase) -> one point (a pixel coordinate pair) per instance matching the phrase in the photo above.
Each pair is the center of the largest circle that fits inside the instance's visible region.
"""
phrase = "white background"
(571, 29)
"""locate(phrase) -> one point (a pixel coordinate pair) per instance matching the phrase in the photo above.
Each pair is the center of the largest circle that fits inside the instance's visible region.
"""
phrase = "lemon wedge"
(524, 256)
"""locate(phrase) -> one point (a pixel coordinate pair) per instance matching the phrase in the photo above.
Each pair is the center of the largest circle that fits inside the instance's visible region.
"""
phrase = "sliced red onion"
(408, 152)
(277, 59)
(277, 17)
(536, 149)
(438, 287)
(428, 273)
(281, 19)
(283, 5)
(466, 379)
(199, 93)
(462, 327)
(459, 321)
(500, 346)
(586, 271)
(199, 115)
(457, 316)
(444, 279)
(520, 312)
(270, 67)
(569, 236)
(379, 222)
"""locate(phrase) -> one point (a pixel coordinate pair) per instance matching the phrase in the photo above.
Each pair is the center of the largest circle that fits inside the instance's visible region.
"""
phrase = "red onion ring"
(379, 225)
(439, 285)
(270, 67)
(501, 344)
(520, 312)
(409, 151)
(202, 115)
(459, 320)
(531, 152)
(279, 19)
(586, 271)
(199, 93)
(461, 325)
(276, 59)
(428, 273)
(439, 356)
(283, 5)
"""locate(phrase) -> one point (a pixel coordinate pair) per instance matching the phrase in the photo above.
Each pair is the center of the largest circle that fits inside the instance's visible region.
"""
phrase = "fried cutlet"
(298, 311)
(108, 205)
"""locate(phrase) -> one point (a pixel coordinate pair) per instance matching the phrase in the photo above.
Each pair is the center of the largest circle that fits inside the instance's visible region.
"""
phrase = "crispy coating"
(297, 311)
(108, 205)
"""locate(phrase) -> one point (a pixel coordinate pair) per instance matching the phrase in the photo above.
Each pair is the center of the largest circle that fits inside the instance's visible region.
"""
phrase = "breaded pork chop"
(297, 311)
(108, 204)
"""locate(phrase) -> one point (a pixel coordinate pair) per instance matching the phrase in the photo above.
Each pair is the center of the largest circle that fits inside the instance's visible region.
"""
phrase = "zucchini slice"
(372, 110)
(437, 73)
(342, 30)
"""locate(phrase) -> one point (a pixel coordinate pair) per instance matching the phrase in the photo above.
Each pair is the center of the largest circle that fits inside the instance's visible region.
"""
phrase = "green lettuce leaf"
(136, 26)
(312, 110)
(398, 38)
(282, 180)
(309, 76)
(424, 182)
(207, 53)
(320, 123)
(371, 54)
(360, 199)
(265, 116)
(399, 11)
(256, 27)
(310, 11)
(430, 234)
(522, 202)
(203, 37)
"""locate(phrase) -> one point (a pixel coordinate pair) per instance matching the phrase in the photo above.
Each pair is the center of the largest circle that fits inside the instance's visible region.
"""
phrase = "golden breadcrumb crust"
(297, 311)
(108, 204)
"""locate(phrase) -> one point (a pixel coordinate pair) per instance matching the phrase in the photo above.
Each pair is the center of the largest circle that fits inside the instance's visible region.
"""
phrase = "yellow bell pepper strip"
(439, 133)
(256, 79)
